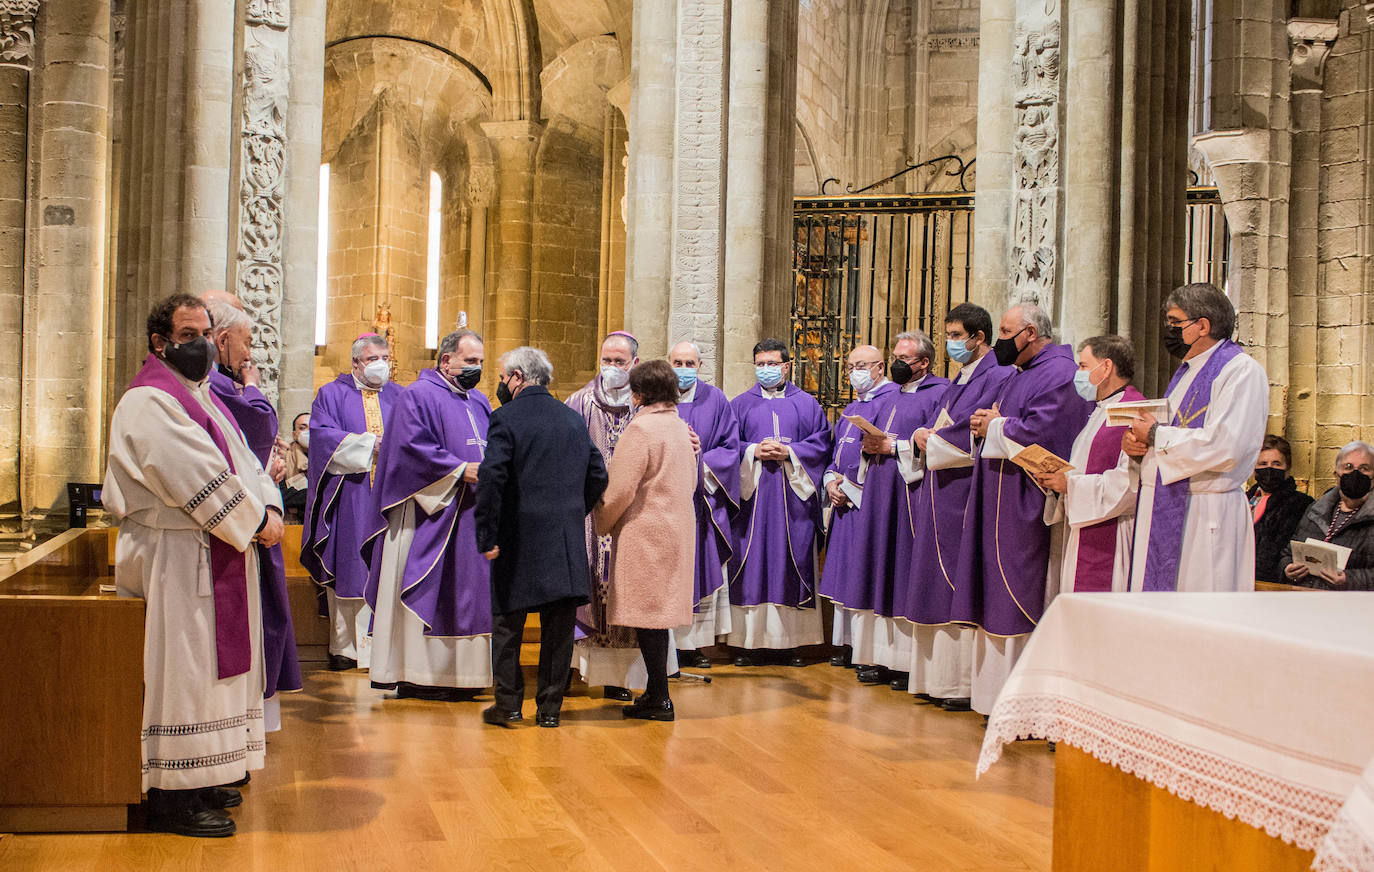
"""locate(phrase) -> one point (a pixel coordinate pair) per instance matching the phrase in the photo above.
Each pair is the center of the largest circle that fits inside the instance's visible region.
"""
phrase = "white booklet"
(1125, 414)
(1316, 555)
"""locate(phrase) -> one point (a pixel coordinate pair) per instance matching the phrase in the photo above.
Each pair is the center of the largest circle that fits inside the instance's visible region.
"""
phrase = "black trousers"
(556, 622)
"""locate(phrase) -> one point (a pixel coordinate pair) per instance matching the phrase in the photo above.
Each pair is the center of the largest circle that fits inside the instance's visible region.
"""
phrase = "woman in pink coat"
(647, 507)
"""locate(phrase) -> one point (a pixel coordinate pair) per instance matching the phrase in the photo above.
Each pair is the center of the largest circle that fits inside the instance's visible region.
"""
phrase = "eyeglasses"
(1170, 322)
(850, 367)
(1365, 468)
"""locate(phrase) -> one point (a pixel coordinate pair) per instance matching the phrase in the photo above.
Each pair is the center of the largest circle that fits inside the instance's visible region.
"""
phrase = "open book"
(864, 424)
(1125, 414)
(1317, 555)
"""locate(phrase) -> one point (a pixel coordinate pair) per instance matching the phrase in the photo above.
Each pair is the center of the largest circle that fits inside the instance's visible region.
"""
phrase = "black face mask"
(900, 371)
(1005, 349)
(468, 377)
(192, 359)
(1270, 478)
(1355, 485)
(503, 394)
(1173, 342)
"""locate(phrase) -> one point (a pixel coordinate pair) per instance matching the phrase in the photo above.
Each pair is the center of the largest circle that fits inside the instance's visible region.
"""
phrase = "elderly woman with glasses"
(1344, 515)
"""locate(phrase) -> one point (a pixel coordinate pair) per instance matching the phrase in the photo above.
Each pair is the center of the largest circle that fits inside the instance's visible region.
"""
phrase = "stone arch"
(806, 171)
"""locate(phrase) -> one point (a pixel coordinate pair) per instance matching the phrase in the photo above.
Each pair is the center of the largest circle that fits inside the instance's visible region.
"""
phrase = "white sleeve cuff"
(910, 463)
(802, 485)
(437, 496)
(353, 455)
(997, 446)
(709, 482)
(853, 491)
(750, 468)
(941, 454)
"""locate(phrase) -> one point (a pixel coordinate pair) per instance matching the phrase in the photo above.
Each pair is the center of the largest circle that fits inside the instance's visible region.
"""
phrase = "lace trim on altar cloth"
(1297, 815)
(1345, 849)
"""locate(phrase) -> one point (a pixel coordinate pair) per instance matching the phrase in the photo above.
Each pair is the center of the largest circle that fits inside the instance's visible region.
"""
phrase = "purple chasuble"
(1170, 507)
(432, 430)
(257, 420)
(710, 416)
(605, 422)
(1096, 558)
(228, 567)
(339, 507)
(999, 583)
(849, 535)
(775, 531)
(937, 506)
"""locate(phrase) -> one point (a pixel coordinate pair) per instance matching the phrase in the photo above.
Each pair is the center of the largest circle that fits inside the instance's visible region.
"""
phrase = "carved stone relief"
(262, 147)
(1035, 161)
(16, 30)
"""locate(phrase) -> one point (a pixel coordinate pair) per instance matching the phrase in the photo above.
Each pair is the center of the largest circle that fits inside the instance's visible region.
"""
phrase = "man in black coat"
(539, 478)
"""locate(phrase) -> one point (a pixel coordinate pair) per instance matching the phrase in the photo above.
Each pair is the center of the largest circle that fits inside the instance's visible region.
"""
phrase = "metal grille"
(1209, 239)
(866, 268)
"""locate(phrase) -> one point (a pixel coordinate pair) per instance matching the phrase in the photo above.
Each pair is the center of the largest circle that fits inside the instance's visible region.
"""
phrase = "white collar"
(1198, 361)
(912, 386)
(364, 386)
(688, 395)
(966, 371)
(865, 397)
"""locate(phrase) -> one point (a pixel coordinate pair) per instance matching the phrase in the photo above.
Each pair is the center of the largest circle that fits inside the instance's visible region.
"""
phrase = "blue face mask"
(1083, 384)
(768, 376)
(958, 351)
(686, 377)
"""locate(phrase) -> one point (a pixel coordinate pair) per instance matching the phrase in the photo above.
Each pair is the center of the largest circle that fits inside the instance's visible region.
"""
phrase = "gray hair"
(1034, 316)
(1350, 447)
(630, 342)
(532, 363)
(225, 317)
(1205, 300)
(363, 343)
(925, 349)
(450, 343)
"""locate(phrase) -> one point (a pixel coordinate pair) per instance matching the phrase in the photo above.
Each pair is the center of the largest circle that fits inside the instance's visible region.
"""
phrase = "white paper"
(1125, 414)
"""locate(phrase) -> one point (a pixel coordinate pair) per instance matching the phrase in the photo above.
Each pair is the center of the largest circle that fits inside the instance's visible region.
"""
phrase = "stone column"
(481, 183)
(516, 144)
(649, 205)
(304, 116)
(1310, 43)
(990, 282)
(64, 305)
(16, 61)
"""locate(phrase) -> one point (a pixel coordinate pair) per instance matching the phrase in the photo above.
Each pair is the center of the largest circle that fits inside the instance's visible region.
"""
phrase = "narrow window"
(436, 191)
(322, 259)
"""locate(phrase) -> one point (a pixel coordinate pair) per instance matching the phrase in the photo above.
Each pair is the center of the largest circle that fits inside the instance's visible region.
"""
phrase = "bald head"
(865, 354)
(216, 297)
(685, 353)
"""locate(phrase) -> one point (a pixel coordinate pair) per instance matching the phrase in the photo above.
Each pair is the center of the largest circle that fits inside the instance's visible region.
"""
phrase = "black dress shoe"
(340, 663)
(872, 675)
(840, 660)
(406, 690)
(695, 660)
(242, 782)
(796, 660)
(220, 797)
(650, 710)
(899, 680)
(961, 704)
(183, 813)
(547, 719)
(925, 697)
(499, 717)
(743, 660)
(619, 694)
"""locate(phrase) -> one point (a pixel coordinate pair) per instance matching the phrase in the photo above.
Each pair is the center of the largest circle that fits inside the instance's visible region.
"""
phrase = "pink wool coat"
(647, 507)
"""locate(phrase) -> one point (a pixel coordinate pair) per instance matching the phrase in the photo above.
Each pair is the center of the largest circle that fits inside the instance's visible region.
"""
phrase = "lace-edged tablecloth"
(1259, 706)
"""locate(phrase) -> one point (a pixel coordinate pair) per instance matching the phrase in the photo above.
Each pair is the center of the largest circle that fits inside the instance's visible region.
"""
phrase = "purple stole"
(228, 565)
(1097, 542)
(1170, 506)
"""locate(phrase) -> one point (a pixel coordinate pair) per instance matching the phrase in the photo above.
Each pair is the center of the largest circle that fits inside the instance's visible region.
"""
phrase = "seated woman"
(648, 508)
(1344, 515)
(1276, 505)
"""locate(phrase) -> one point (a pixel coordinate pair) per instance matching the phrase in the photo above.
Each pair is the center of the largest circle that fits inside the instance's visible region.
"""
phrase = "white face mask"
(862, 380)
(303, 438)
(613, 378)
(377, 372)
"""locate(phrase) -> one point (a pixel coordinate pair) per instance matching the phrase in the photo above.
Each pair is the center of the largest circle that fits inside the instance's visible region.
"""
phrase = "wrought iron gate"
(1209, 239)
(866, 268)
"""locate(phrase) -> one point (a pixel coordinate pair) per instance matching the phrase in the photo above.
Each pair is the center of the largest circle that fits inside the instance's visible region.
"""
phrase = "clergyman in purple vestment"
(1004, 558)
(785, 442)
(234, 381)
(428, 585)
(707, 411)
(347, 421)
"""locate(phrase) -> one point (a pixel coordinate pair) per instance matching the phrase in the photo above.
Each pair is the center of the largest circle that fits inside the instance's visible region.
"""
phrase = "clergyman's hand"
(470, 472)
(1135, 447)
(838, 499)
(493, 553)
(272, 531)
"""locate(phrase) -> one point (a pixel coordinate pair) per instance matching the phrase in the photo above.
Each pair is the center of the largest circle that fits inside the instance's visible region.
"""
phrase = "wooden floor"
(767, 768)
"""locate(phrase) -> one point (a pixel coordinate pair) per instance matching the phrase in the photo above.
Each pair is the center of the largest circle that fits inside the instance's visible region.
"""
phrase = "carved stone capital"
(268, 13)
(1309, 41)
(481, 184)
(16, 30)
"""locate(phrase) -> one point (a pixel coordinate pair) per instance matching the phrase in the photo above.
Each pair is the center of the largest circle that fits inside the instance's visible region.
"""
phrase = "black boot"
(183, 813)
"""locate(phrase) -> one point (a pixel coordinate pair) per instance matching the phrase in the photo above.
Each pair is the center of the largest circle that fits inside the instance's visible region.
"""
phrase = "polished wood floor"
(767, 768)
